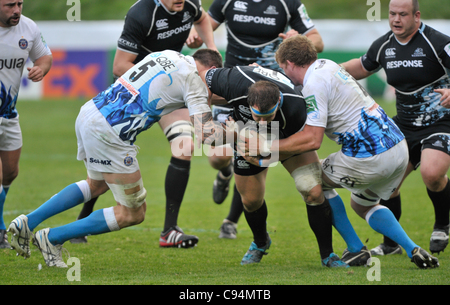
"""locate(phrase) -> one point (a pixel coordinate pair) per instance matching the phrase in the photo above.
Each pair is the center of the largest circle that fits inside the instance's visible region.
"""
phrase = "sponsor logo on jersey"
(127, 43)
(240, 6)
(255, 19)
(390, 53)
(271, 10)
(418, 53)
(186, 17)
(98, 161)
(245, 110)
(11, 63)
(404, 63)
(23, 43)
(162, 24)
(176, 31)
(311, 107)
(447, 49)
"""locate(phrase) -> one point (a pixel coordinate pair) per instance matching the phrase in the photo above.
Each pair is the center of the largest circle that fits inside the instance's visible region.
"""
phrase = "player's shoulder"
(142, 10)
(382, 40)
(27, 23)
(193, 3)
(433, 35)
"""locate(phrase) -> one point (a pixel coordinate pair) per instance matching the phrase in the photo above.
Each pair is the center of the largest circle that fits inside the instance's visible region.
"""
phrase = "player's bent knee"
(180, 135)
(306, 179)
(130, 195)
(362, 203)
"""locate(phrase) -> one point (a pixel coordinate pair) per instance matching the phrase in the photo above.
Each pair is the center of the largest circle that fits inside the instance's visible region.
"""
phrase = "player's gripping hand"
(445, 99)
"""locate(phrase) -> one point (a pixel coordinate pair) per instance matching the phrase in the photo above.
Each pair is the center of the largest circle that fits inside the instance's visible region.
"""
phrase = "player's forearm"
(316, 39)
(45, 63)
(355, 68)
(205, 31)
(298, 143)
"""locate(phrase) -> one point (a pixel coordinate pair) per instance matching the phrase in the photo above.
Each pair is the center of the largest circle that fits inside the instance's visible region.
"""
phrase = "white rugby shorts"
(10, 134)
(99, 145)
(380, 174)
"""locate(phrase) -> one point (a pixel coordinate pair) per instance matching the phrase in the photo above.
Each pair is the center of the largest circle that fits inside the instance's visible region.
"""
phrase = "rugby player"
(416, 59)
(20, 39)
(155, 26)
(106, 128)
(254, 31)
(264, 97)
(374, 153)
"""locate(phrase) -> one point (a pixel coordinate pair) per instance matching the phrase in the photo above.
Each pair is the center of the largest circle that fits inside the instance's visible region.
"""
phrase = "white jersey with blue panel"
(159, 84)
(350, 116)
(17, 44)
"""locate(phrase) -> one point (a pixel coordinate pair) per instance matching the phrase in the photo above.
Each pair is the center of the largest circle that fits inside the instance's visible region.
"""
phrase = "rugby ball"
(251, 132)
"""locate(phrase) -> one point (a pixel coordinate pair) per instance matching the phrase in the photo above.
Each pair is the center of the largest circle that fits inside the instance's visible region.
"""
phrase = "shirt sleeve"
(40, 47)
(369, 60)
(441, 43)
(133, 34)
(199, 9)
(215, 11)
(316, 97)
(196, 95)
(300, 20)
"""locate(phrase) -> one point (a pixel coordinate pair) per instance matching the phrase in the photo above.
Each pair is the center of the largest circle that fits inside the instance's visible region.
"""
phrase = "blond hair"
(298, 50)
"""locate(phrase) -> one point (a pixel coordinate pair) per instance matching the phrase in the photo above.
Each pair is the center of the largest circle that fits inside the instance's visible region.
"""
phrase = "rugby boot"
(384, 249)
(175, 238)
(423, 259)
(333, 261)
(255, 254)
(20, 236)
(360, 258)
(439, 239)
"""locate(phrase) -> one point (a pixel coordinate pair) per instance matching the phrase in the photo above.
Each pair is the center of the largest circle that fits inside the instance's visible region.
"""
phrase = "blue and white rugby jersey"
(350, 116)
(159, 84)
(17, 44)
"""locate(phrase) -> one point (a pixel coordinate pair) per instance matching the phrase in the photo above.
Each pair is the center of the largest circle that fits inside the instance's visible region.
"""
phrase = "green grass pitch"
(132, 256)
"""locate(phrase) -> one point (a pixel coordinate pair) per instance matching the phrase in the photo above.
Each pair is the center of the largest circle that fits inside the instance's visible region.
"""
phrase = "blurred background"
(84, 50)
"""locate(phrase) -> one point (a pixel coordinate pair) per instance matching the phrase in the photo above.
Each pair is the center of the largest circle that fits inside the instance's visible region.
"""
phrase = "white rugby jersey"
(17, 43)
(159, 84)
(351, 118)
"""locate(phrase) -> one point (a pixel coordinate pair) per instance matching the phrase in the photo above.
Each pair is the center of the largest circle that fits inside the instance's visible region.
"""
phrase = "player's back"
(351, 117)
(157, 85)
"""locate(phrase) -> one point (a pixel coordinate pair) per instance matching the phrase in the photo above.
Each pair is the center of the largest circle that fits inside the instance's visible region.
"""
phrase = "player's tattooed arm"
(210, 132)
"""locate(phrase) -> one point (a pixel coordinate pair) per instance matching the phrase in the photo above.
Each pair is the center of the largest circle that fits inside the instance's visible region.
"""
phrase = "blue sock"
(382, 220)
(2, 203)
(95, 223)
(68, 198)
(342, 223)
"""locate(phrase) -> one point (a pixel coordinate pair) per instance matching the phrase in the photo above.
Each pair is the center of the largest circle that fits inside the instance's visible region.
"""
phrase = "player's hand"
(35, 74)
(194, 41)
(445, 98)
(288, 34)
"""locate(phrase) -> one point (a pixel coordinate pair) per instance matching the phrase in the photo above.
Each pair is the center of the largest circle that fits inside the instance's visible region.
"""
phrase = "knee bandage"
(306, 178)
(179, 129)
(130, 195)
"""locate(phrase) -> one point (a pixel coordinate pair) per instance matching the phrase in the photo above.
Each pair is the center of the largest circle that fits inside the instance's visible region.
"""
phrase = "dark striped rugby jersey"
(232, 84)
(414, 69)
(253, 28)
(150, 27)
